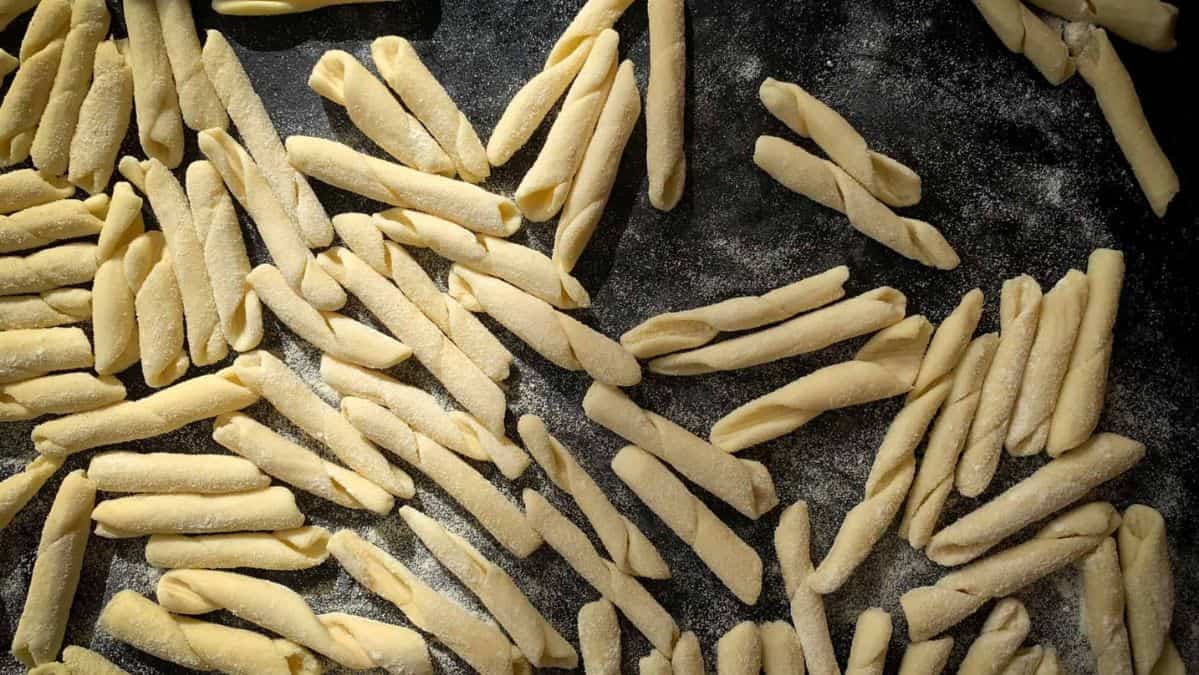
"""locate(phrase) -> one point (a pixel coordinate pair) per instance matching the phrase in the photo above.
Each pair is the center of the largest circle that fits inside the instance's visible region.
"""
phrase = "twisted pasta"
(155, 99)
(276, 7)
(1148, 590)
(103, 119)
(1149, 23)
(296, 549)
(781, 652)
(792, 545)
(868, 653)
(687, 658)
(79, 661)
(114, 310)
(164, 472)
(57, 395)
(48, 269)
(149, 271)
(19, 488)
(599, 638)
(198, 101)
(24, 188)
(999, 639)
(29, 92)
(739, 651)
(926, 658)
(1023, 32)
(48, 309)
(1103, 610)
(36, 351)
(665, 98)
(41, 225)
(272, 508)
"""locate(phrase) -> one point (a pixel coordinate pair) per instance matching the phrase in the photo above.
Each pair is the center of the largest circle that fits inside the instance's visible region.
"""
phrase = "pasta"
(543, 190)
(654, 664)
(792, 544)
(1103, 610)
(48, 309)
(741, 483)
(781, 651)
(739, 651)
(155, 99)
(79, 661)
(998, 641)
(34, 352)
(543, 646)
(150, 273)
(733, 561)
(57, 395)
(24, 188)
(561, 339)
(1035, 660)
(687, 658)
(1023, 32)
(887, 179)
(19, 488)
(103, 119)
(1148, 23)
(46, 224)
(8, 62)
(828, 184)
(47, 269)
(596, 174)
(276, 7)
(1019, 312)
(114, 311)
(868, 653)
(29, 92)
(926, 658)
(296, 549)
(478, 642)
(173, 473)
(885, 366)
(198, 101)
(599, 638)
(272, 508)
(665, 102)
(686, 329)
(249, 115)
(43, 621)
(1148, 589)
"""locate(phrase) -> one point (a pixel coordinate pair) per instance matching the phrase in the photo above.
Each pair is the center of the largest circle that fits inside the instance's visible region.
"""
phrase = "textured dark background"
(1019, 175)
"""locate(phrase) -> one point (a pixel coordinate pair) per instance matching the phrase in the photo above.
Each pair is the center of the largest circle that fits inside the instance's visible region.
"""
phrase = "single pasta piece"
(1148, 23)
(926, 658)
(1035, 660)
(739, 651)
(733, 561)
(34, 352)
(543, 190)
(828, 184)
(330, 332)
(792, 544)
(630, 550)
(1023, 32)
(296, 549)
(1080, 400)
(741, 483)
(1054, 486)
(79, 661)
(687, 658)
(654, 664)
(343, 167)
(358, 232)
(884, 367)
(1062, 309)
(402, 69)
(173, 473)
(1002, 634)
(162, 412)
(197, 98)
(290, 395)
(599, 638)
(28, 94)
(948, 345)
(48, 309)
(276, 7)
(19, 488)
(1103, 610)
(114, 309)
(155, 100)
(665, 103)
(272, 508)
(140, 623)
(931, 610)
(622, 590)
(868, 653)
(1019, 312)
(47, 269)
(1148, 589)
(298, 466)
(533, 635)
(566, 342)
(530, 105)
(249, 115)
(689, 328)
(781, 652)
(103, 119)
(8, 62)
(149, 271)
(887, 179)
(24, 188)
(225, 257)
(478, 642)
(45, 224)
(58, 395)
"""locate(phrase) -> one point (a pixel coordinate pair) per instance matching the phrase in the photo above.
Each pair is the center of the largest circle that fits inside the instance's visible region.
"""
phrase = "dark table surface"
(1019, 175)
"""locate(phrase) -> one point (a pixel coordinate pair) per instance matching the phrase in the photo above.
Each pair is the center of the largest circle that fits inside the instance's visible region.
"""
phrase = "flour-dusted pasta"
(1054, 486)
(149, 271)
(57, 395)
(687, 658)
(295, 549)
(1148, 588)
(733, 561)
(297, 465)
(79, 661)
(563, 340)
(781, 652)
(8, 62)
(103, 119)
(34, 352)
(739, 651)
(155, 99)
(543, 190)
(860, 315)
(157, 414)
(48, 309)
(665, 103)
(17, 489)
(926, 658)
(29, 92)
(24, 188)
(893, 183)
(478, 642)
(198, 101)
(792, 545)
(622, 590)
(999, 639)
(599, 638)
(114, 307)
(868, 653)
(654, 664)
(1023, 32)
(46, 224)
(1103, 610)
(146, 626)
(271, 508)
(741, 483)
(1148, 23)
(172, 473)
(1035, 660)
(43, 622)
(249, 115)
(47, 269)
(276, 7)
(931, 610)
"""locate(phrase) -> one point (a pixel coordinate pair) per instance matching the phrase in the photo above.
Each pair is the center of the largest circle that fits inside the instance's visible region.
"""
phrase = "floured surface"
(1020, 176)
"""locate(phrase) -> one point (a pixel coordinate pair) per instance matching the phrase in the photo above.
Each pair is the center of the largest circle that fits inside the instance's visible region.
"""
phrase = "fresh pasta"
(24, 188)
(173, 473)
(45, 224)
(599, 638)
(295, 549)
(1103, 605)
(59, 394)
(1023, 32)
(17, 489)
(29, 93)
(871, 637)
(198, 102)
(103, 119)
(48, 309)
(1004, 630)
(47, 269)
(36, 351)
(158, 303)
(792, 545)
(155, 99)
(271, 508)
(665, 102)
(114, 307)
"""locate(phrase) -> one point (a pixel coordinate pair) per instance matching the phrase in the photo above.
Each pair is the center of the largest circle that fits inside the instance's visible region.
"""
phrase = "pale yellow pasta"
(8, 62)
(114, 312)
(29, 353)
(150, 273)
(29, 92)
(739, 651)
(999, 639)
(792, 545)
(253, 123)
(57, 395)
(144, 625)
(543, 190)
(79, 661)
(24, 188)
(394, 649)
(46, 224)
(1103, 610)
(59, 307)
(654, 664)
(733, 561)
(155, 99)
(665, 102)
(1148, 589)
(599, 638)
(47, 269)
(781, 652)
(687, 658)
(272, 508)
(297, 465)
(198, 101)
(195, 399)
(276, 7)
(868, 653)
(926, 658)
(1148, 23)
(17, 489)
(103, 119)
(51, 590)
(173, 473)
(828, 184)
(296, 549)
(1023, 32)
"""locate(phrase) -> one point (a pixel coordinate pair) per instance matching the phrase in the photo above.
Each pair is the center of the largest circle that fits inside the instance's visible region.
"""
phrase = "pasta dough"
(402, 69)
(868, 653)
(926, 658)
(103, 119)
(29, 92)
(149, 270)
(828, 184)
(1055, 485)
(739, 651)
(198, 101)
(296, 549)
(1019, 312)
(563, 340)
(155, 99)
(599, 638)
(630, 550)
(665, 102)
(885, 366)
(48, 309)
(43, 621)
(1103, 610)
(45, 224)
(792, 544)
(19, 488)
(866, 313)
(272, 508)
(930, 610)
(1148, 589)
(79, 661)
(478, 642)
(57, 395)
(733, 561)
(534, 636)
(48, 269)
(781, 651)
(741, 483)
(24, 188)
(26, 354)
(998, 641)
(165, 472)
(1149, 23)
(114, 311)
(1023, 32)
(887, 179)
